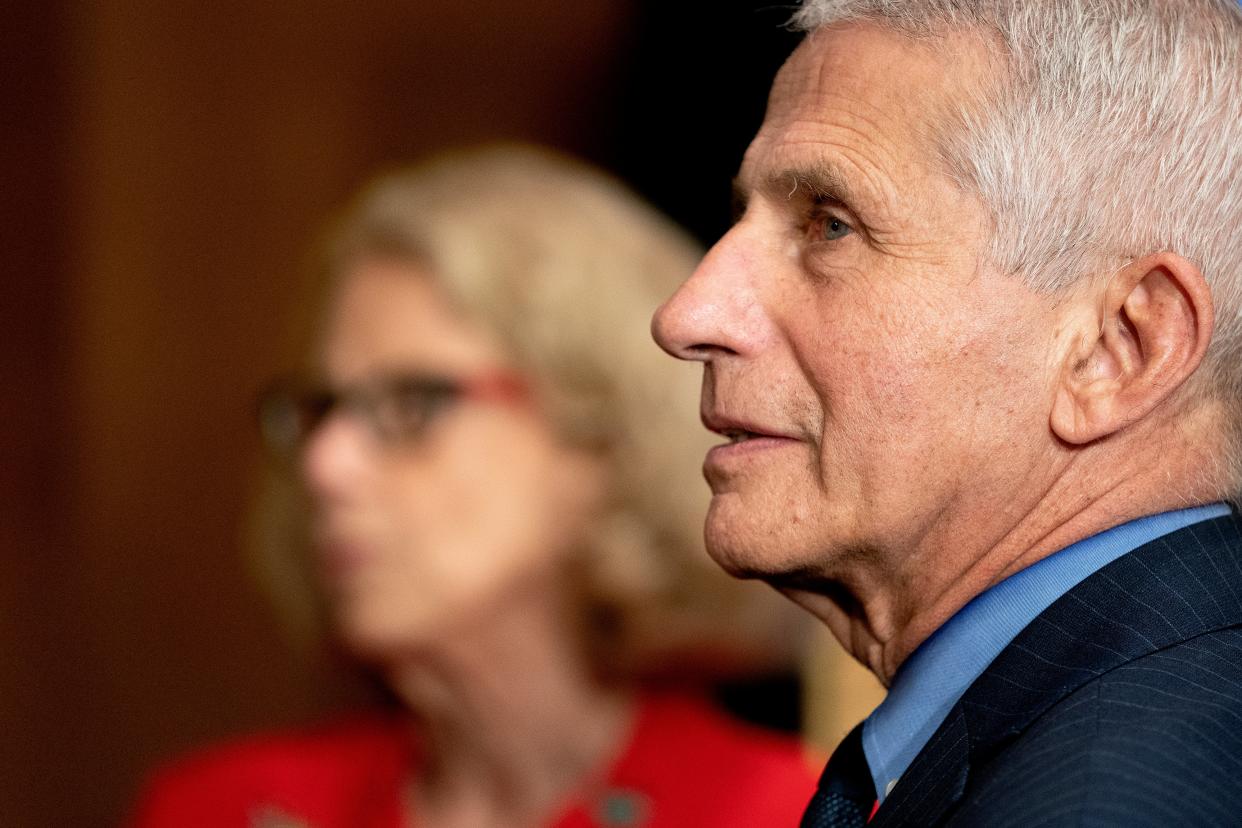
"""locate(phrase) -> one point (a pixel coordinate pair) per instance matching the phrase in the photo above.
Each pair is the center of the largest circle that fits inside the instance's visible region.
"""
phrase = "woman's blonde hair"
(567, 267)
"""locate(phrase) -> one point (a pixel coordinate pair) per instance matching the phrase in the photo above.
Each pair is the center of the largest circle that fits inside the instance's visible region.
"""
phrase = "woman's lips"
(339, 559)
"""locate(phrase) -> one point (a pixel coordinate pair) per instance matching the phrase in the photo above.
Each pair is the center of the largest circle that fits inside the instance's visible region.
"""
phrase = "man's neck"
(886, 612)
(935, 677)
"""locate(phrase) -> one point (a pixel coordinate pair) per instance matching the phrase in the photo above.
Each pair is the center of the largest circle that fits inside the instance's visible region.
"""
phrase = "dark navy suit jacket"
(1119, 705)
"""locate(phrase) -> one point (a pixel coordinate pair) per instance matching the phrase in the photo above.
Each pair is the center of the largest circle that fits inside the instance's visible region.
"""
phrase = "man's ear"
(1155, 323)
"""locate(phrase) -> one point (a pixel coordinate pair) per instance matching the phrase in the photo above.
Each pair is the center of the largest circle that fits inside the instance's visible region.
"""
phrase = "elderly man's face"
(887, 385)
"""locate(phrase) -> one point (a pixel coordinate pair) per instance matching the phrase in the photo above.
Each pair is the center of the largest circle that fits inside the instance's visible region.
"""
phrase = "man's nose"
(716, 311)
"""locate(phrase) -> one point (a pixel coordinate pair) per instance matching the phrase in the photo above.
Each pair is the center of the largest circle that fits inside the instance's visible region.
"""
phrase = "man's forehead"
(850, 89)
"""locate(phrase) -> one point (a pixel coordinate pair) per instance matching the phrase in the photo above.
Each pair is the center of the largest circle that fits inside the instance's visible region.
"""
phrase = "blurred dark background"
(165, 167)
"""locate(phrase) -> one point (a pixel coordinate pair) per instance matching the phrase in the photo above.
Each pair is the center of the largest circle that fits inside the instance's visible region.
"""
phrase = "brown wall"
(172, 162)
(36, 649)
(165, 166)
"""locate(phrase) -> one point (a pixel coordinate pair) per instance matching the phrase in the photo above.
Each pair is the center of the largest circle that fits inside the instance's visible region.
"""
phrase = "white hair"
(1115, 132)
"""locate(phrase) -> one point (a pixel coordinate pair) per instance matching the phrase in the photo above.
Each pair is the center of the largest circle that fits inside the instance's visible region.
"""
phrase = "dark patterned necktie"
(846, 793)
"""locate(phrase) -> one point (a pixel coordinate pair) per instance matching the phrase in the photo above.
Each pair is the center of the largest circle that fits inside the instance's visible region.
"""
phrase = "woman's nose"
(336, 457)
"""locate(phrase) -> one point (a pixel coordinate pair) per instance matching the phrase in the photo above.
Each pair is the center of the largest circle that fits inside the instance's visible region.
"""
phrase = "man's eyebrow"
(818, 181)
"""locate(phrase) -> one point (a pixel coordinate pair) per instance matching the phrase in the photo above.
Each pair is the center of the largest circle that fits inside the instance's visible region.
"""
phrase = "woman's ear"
(1155, 322)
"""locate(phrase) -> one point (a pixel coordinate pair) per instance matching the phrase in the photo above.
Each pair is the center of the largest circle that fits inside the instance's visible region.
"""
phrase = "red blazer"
(686, 765)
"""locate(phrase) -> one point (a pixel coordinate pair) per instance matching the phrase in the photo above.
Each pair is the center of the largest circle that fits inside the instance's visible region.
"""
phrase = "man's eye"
(831, 228)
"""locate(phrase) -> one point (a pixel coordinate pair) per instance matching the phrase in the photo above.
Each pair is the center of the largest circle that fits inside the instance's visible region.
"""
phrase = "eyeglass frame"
(306, 405)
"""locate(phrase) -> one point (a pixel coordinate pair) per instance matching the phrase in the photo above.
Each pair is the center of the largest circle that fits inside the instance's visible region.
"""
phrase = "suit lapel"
(1170, 590)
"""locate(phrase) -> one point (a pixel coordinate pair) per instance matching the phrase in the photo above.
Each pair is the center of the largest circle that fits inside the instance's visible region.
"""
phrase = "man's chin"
(743, 558)
(737, 566)
(762, 552)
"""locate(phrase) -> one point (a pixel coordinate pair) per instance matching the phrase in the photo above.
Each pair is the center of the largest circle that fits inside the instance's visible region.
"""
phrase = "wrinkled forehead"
(862, 90)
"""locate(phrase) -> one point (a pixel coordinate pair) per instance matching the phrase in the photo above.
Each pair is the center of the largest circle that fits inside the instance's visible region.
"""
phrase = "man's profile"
(974, 346)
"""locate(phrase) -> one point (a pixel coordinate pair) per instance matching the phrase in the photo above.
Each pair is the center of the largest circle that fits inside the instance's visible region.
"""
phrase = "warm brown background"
(165, 166)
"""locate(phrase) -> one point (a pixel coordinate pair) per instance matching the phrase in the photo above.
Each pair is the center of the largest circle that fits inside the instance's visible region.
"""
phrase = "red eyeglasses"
(396, 408)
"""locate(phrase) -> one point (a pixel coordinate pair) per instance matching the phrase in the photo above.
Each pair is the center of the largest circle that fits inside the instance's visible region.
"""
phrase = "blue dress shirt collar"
(936, 675)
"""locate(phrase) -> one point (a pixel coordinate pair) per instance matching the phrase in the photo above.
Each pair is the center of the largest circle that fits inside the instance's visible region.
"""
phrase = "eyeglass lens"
(395, 409)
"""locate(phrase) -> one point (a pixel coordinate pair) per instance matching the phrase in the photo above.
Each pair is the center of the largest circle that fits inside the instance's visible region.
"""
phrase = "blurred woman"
(504, 509)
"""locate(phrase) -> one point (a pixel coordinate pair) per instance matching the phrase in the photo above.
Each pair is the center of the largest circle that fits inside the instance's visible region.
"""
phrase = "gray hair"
(1116, 132)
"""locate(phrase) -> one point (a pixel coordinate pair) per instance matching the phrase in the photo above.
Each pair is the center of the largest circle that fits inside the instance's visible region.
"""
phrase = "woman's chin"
(380, 638)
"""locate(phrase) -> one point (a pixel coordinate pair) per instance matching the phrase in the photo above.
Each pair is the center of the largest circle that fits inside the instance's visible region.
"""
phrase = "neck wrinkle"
(1079, 502)
(886, 617)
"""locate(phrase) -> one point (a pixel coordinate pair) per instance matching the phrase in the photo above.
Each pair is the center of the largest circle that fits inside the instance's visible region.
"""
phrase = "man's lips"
(738, 430)
(747, 440)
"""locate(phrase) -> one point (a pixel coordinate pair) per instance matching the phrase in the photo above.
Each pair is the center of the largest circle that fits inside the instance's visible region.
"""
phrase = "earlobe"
(1155, 322)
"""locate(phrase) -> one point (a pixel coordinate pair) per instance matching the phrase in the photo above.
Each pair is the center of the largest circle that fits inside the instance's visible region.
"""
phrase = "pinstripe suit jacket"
(1120, 704)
